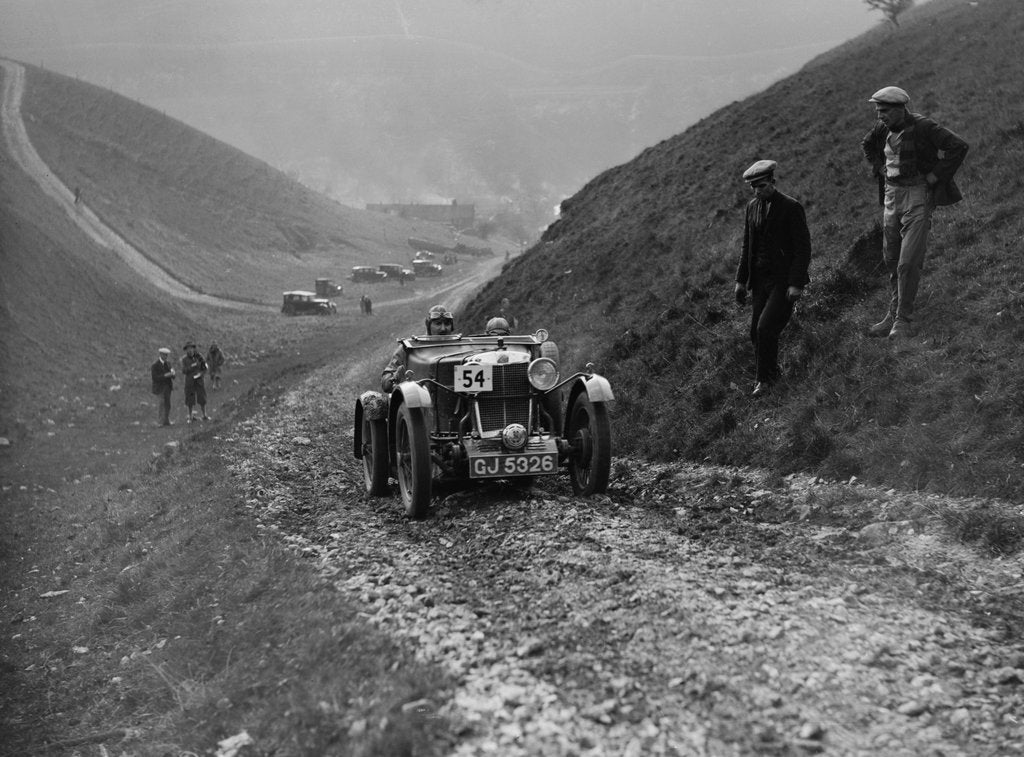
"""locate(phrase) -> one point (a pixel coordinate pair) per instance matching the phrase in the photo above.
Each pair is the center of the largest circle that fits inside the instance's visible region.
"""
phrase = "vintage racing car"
(483, 407)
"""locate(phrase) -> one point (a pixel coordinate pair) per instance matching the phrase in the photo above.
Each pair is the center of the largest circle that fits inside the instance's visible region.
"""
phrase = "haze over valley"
(511, 105)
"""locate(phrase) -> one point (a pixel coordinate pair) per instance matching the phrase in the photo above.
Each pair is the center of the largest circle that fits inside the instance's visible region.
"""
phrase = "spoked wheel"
(591, 439)
(375, 456)
(412, 461)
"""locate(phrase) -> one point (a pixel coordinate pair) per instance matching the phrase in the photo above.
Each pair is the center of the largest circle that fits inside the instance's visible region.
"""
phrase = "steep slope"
(638, 273)
(222, 221)
(78, 325)
(73, 319)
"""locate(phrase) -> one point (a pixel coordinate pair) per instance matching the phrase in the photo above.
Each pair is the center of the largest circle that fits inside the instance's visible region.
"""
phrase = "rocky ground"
(690, 611)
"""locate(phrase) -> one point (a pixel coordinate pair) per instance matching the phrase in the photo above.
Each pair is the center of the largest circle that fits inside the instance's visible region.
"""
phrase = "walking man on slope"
(773, 267)
(916, 158)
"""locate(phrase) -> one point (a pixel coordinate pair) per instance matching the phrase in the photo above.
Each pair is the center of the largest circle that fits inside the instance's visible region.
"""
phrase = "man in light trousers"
(916, 159)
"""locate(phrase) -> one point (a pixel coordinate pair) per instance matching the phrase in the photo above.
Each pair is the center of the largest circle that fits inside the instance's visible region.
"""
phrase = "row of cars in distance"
(302, 302)
(396, 271)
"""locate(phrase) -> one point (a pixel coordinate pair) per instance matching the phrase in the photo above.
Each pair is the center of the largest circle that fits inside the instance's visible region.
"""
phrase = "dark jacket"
(192, 368)
(162, 381)
(926, 148)
(394, 371)
(785, 241)
(214, 360)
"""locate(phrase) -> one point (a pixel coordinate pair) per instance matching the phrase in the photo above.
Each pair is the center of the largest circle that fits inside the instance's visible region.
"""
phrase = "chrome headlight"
(541, 335)
(543, 373)
(514, 435)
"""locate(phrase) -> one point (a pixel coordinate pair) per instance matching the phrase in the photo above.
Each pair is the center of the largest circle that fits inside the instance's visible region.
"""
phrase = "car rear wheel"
(591, 439)
(375, 457)
(412, 461)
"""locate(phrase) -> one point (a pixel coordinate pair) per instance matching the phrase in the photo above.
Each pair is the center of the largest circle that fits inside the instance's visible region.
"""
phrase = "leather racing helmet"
(439, 313)
(497, 326)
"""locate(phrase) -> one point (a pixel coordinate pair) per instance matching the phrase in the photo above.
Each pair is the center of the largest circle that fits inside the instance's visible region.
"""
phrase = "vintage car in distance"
(483, 407)
(396, 271)
(427, 268)
(367, 273)
(327, 288)
(307, 303)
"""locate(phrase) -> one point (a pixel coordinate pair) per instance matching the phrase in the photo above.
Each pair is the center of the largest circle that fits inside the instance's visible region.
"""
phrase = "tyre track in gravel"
(598, 627)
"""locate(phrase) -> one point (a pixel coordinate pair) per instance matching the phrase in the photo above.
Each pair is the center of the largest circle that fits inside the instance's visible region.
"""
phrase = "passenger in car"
(439, 322)
(497, 326)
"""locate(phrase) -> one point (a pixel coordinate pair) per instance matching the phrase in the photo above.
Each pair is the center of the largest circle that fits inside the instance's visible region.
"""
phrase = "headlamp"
(543, 373)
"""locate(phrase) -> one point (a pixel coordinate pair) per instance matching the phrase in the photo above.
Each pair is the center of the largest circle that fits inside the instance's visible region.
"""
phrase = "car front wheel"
(590, 435)
(412, 461)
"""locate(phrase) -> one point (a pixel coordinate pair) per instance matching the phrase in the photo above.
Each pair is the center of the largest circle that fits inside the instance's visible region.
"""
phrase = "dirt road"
(692, 611)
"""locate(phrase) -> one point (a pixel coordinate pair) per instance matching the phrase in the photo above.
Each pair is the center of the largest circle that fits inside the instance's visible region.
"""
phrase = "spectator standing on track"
(193, 367)
(215, 362)
(163, 384)
(773, 267)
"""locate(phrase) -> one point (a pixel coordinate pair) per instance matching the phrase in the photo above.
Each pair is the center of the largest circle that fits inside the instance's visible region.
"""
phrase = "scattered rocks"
(692, 610)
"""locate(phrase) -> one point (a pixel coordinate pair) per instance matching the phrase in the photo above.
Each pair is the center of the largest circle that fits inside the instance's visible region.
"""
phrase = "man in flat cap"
(773, 267)
(916, 158)
(163, 383)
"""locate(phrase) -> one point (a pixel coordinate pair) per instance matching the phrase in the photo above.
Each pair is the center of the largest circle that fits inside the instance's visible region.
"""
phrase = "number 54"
(476, 377)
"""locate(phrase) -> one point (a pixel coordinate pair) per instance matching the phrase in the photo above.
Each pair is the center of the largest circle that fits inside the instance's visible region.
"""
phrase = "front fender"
(411, 394)
(598, 389)
(415, 396)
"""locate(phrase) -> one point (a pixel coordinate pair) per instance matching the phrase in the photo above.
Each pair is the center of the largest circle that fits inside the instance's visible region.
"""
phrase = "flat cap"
(760, 170)
(890, 96)
(164, 351)
(189, 344)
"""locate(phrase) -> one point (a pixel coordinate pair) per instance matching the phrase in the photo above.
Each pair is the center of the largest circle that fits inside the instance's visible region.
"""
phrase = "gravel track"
(689, 612)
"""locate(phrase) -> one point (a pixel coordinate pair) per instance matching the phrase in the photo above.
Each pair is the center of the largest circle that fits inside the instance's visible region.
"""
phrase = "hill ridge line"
(24, 154)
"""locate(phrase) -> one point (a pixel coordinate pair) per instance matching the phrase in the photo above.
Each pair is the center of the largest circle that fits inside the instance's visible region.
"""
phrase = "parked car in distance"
(367, 273)
(396, 271)
(427, 268)
(299, 302)
(483, 407)
(327, 288)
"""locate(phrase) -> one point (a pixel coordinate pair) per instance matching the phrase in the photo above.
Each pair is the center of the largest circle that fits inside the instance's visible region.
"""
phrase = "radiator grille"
(509, 402)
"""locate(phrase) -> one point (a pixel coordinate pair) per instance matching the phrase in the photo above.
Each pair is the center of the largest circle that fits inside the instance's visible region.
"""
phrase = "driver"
(439, 322)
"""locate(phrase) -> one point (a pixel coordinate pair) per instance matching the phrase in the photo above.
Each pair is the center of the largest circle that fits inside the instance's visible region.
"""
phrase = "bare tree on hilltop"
(891, 9)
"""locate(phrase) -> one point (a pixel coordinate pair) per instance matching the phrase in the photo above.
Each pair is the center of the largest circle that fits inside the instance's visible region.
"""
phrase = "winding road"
(20, 148)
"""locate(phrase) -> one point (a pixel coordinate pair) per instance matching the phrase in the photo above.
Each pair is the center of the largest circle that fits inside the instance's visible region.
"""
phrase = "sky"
(565, 33)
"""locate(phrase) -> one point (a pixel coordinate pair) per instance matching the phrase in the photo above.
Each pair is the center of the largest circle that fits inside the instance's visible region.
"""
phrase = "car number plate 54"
(513, 465)
(474, 377)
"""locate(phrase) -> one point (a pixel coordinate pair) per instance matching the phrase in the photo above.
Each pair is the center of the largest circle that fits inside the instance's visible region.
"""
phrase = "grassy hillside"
(221, 221)
(79, 328)
(638, 273)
